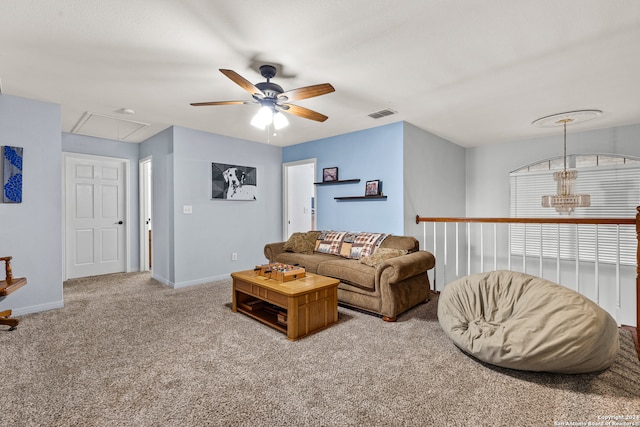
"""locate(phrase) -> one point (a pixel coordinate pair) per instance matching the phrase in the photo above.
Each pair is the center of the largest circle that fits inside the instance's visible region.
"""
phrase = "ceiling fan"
(272, 96)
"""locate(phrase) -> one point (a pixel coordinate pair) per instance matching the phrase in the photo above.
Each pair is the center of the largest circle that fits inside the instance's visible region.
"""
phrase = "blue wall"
(369, 154)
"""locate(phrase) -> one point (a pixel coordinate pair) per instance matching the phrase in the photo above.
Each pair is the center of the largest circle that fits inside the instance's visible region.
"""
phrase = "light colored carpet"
(127, 351)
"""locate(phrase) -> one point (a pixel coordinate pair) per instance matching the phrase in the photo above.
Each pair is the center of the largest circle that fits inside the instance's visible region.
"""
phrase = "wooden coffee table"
(297, 308)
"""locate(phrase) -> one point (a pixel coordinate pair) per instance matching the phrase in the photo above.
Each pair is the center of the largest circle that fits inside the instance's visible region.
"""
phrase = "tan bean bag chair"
(519, 321)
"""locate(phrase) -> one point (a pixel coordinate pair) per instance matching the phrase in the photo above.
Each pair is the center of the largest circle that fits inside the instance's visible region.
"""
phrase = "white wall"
(488, 167)
(31, 231)
(205, 239)
(73, 143)
(434, 176)
(300, 189)
(160, 148)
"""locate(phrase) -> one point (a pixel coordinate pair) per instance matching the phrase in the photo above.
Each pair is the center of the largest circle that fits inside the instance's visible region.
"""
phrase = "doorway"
(95, 215)
(146, 253)
(299, 197)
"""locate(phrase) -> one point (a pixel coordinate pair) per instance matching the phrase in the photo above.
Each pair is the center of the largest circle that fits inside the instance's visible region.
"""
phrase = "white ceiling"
(475, 72)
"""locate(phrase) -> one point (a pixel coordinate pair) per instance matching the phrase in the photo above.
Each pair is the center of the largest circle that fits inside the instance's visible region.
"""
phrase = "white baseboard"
(37, 308)
(201, 281)
(162, 280)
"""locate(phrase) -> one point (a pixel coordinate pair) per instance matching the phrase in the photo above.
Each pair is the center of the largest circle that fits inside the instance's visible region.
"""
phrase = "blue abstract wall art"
(12, 162)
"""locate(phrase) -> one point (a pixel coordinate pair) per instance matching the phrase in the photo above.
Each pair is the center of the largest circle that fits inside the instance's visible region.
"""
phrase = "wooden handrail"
(593, 221)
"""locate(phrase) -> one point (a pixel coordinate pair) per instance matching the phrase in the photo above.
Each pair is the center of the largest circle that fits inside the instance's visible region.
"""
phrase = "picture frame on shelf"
(329, 174)
(373, 188)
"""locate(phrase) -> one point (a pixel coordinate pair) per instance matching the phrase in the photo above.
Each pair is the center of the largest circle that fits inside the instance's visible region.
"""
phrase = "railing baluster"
(435, 251)
(468, 248)
(597, 269)
(618, 267)
(481, 248)
(495, 246)
(457, 251)
(557, 253)
(577, 258)
(445, 255)
(541, 251)
(509, 249)
(524, 250)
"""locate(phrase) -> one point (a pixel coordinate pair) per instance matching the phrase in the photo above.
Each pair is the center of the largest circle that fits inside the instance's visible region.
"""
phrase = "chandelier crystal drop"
(565, 201)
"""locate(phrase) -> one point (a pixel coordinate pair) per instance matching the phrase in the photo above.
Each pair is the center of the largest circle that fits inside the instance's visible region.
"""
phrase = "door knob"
(119, 222)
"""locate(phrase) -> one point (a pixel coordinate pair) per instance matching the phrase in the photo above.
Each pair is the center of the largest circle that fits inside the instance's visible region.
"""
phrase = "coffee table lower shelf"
(297, 308)
(263, 315)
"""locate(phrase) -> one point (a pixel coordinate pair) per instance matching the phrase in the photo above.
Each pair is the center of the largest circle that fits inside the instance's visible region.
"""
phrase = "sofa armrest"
(273, 249)
(402, 267)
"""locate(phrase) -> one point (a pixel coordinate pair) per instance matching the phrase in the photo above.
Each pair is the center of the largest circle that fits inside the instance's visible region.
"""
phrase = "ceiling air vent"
(382, 113)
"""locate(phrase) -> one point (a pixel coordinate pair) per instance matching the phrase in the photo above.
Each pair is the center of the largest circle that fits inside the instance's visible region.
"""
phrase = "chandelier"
(565, 201)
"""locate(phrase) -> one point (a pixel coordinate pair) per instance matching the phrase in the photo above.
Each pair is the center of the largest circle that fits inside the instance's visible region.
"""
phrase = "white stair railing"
(568, 251)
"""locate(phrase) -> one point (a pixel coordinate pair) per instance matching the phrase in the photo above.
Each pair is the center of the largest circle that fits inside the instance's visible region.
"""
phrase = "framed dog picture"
(329, 174)
(373, 188)
(233, 182)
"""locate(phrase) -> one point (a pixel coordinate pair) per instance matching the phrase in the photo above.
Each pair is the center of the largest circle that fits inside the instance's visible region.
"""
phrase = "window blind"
(615, 192)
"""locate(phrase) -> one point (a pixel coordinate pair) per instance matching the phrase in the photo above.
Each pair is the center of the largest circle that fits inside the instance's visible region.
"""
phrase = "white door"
(95, 228)
(145, 214)
(299, 197)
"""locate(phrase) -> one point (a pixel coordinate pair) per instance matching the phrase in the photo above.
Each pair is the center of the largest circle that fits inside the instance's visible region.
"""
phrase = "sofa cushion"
(408, 243)
(303, 243)
(349, 271)
(381, 255)
(308, 261)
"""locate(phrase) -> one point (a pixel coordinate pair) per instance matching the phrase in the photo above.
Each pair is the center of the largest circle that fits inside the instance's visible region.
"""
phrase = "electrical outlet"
(187, 209)
(234, 256)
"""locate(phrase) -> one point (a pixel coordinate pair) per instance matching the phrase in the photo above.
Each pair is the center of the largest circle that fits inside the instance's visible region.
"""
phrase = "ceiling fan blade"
(242, 82)
(200, 104)
(303, 112)
(307, 92)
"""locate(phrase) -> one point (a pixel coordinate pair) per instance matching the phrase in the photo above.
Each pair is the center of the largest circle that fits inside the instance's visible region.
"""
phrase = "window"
(614, 185)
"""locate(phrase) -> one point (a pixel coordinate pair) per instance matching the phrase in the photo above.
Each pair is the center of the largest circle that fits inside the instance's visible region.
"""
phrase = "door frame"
(285, 192)
(127, 213)
(144, 243)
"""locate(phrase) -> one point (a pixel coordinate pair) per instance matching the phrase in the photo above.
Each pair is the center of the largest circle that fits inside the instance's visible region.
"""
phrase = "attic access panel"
(102, 126)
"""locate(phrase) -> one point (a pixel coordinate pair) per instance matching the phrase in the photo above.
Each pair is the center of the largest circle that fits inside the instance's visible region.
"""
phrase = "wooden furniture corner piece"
(7, 286)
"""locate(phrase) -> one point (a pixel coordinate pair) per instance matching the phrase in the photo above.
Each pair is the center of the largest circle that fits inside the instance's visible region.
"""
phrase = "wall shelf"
(341, 181)
(361, 198)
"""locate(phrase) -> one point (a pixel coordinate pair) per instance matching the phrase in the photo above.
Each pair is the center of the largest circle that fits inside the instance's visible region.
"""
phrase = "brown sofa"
(394, 281)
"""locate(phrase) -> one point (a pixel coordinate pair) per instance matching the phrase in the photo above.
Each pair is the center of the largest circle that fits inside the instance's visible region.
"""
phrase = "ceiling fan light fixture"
(280, 121)
(263, 118)
(273, 99)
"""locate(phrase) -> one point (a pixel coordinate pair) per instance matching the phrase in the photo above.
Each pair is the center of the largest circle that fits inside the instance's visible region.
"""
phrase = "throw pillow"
(329, 242)
(299, 243)
(364, 244)
(312, 236)
(381, 255)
